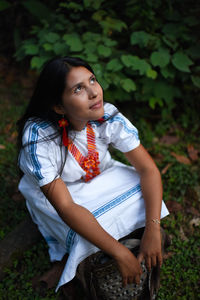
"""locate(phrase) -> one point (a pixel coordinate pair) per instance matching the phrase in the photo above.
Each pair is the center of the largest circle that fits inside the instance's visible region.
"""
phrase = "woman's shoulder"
(35, 129)
(109, 110)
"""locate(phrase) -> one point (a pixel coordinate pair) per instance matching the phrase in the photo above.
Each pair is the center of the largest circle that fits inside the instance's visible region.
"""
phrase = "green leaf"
(151, 74)
(153, 101)
(181, 61)
(104, 51)
(97, 70)
(167, 72)
(4, 5)
(140, 38)
(160, 58)
(103, 83)
(31, 49)
(72, 6)
(98, 15)
(128, 85)
(114, 65)
(47, 47)
(108, 42)
(129, 60)
(73, 41)
(52, 37)
(135, 63)
(171, 43)
(60, 48)
(37, 62)
(196, 81)
(165, 91)
(91, 57)
(37, 9)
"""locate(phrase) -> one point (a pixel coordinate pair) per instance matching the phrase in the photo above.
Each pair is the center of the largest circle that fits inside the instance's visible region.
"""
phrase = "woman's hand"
(129, 267)
(150, 247)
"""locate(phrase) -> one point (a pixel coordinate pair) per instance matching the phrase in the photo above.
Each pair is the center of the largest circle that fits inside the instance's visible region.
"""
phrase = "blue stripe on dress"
(32, 146)
(120, 119)
(102, 210)
(50, 239)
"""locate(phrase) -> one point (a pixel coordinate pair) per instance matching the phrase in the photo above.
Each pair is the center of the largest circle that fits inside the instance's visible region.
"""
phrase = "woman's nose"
(92, 93)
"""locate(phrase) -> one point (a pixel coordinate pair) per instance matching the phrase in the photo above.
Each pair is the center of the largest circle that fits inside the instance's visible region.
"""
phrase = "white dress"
(114, 196)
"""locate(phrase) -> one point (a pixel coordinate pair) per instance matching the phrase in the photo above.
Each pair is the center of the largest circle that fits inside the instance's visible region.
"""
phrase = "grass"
(179, 278)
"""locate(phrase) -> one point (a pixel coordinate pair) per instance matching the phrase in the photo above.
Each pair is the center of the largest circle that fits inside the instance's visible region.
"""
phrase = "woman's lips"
(96, 105)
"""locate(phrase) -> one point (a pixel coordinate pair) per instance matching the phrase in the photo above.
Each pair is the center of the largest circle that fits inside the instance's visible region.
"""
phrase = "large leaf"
(160, 58)
(181, 61)
(31, 49)
(114, 65)
(37, 9)
(98, 70)
(196, 81)
(91, 57)
(153, 101)
(104, 51)
(52, 37)
(151, 74)
(37, 62)
(128, 85)
(60, 48)
(165, 91)
(141, 38)
(73, 41)
(135, 63)
(168, 72)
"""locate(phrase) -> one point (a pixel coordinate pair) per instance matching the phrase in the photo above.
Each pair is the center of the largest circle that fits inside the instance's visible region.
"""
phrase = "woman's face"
(82, 99)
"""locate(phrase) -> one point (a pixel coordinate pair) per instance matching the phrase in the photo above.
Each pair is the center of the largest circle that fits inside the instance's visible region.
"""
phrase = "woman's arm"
(151, 185)
(83, 222)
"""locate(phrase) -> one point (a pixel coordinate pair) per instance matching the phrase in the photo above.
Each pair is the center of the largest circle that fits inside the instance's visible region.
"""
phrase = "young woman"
(81, 199)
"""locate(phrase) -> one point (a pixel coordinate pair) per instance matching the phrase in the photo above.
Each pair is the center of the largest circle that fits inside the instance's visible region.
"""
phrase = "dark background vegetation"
(146, 56)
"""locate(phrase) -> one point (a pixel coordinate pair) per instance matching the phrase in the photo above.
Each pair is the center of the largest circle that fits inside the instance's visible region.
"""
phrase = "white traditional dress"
(114, 196)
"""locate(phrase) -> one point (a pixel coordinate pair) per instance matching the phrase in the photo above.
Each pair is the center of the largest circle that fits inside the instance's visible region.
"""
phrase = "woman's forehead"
(77, 75)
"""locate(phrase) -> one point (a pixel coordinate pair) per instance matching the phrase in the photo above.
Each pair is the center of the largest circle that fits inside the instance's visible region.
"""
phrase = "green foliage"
(147, 45)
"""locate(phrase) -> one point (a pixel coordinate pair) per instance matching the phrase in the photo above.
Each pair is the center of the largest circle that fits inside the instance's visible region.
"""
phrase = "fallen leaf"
(181, 158)
(168, 255)
(2, 147)
(193, 211)
(174, 206)
(169, 139)
(193, 153)
(194, 222)
(13, 137)
(182, 235)
(164, 170)
(8, 128)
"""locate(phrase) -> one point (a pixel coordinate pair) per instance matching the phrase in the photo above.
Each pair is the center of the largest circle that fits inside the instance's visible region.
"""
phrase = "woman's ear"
(59, 109)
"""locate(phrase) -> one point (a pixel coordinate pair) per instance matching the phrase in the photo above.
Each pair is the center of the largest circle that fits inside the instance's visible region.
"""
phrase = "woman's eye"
(78, 89)
(92, 80)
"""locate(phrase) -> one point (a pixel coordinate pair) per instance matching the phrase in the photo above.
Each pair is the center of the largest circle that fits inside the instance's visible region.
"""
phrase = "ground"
(175, 150)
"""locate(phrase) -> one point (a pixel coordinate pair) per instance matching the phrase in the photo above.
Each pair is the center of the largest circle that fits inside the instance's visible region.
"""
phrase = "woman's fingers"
(124, 281)
(140, 257)
(159, 259)
(153, 261)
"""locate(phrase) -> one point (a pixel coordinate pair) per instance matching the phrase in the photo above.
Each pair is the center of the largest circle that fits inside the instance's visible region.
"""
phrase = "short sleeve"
(36, 158)
(119, 131)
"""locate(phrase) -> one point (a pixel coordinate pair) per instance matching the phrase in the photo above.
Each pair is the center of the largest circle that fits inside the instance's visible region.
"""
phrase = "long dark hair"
(48, 93)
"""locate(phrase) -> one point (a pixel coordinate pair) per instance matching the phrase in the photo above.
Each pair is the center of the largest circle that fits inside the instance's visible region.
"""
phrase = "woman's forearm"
(150, 181)
(79, 218)
(151, 186)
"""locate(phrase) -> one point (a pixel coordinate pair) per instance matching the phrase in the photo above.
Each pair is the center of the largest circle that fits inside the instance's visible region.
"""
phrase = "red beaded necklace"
(89, 163)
